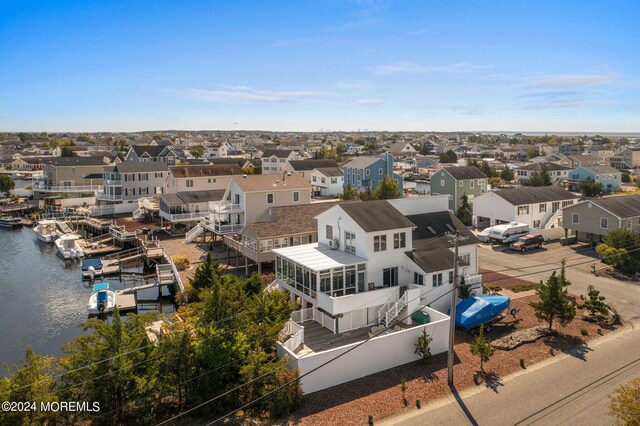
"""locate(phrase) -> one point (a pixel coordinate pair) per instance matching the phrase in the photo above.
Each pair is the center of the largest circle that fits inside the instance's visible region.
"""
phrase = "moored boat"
(46, 231)
(91, 267)
(68, 246)
(102, 299)
(10, 222)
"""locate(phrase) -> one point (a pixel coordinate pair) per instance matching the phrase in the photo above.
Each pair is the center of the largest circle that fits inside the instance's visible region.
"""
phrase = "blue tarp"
(102, 296)
(475, 311)
(91, 261)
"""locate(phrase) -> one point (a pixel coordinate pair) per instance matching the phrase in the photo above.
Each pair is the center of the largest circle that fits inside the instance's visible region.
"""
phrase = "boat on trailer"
(475, 311)
(102, 299)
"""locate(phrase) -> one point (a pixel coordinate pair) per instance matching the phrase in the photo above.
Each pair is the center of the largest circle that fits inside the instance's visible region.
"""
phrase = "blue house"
(609, 177)
(367, 172)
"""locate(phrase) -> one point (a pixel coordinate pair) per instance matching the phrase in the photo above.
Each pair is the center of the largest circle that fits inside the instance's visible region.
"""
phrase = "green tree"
(543, 178)
(6, 183)
(176, 349)
(619, 249)
(626, 177)
(507, 174)
(482, 348)
(554, 304)
(197, 151)
(464, 289)
(595, 303)
(349, 193)
(206, 274)
(464, 212)
(422, 346)
(532, 153)
(589, 188)
(624, 403)
(388, 188)
(448, 157)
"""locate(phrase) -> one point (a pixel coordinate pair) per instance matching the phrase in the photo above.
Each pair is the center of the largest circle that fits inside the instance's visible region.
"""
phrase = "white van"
(508, 232)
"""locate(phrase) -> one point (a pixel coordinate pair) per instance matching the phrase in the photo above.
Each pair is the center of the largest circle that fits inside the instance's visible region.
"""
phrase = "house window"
(380, 243)
(334, 180)
(464, 260)
(543, 207)
(523, 210)
(575, 218)
(441, 182)
(436, 280)
(471, 184)
(329, 232)
(269, 198)
(367, 172)
(296, 196)
(350, 242)
(604, 223)
(461, 183)
(189, 183)
(314, 178)
(450, 276)
(212, 180)
(399, 240)
(418, 278)
(380, 171)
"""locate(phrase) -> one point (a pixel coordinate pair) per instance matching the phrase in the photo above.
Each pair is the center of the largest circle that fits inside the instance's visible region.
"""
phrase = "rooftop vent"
(433, 231)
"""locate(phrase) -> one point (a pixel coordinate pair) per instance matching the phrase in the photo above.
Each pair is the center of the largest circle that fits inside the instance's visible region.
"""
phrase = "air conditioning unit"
(334, 244)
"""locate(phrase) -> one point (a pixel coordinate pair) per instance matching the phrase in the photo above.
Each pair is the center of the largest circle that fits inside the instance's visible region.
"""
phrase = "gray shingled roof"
(280, 153)
(300, 165)
(331, 171)
(465, 172)
(598, 170)
(75, 161)
(536, 194)
(362, 162)
(622, 206)
(142, 166)
(432, 261)
(191, 197)
(537, 167)
(437, 224)
(376, 215)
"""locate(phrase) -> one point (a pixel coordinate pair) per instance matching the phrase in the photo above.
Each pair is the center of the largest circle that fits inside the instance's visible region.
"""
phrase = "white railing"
(193, 233)
(274, 286)
(220, 228)
(325, 320)
(302, 315)
(295, 334)
(115, 182)
(393, 311)
(550, 221)
(225, 207)
(353, 320)
(177, 217)
(387, 305)
(67, 188)
(148, 203)
(109, 197)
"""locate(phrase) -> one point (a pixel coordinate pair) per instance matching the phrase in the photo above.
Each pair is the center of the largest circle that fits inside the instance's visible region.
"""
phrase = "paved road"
(568, 390)
(564, 390)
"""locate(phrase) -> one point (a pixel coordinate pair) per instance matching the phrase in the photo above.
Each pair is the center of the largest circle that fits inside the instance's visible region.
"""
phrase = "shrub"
(181, 262)
(584, 332)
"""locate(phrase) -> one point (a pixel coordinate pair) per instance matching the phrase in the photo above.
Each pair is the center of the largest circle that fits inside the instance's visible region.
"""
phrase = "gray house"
(592, 219)
(457, 181)
(128, 181)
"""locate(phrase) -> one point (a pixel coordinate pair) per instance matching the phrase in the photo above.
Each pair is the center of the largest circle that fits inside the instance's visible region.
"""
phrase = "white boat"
(47, 231)
(10, 222)
(102, 299)
(68, 246)
(16, 175)
(91, 267)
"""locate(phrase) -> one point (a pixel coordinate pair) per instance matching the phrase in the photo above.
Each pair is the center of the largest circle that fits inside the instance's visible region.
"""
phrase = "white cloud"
(249, 94)
(408, 67)
(575, 80)
(368, 102)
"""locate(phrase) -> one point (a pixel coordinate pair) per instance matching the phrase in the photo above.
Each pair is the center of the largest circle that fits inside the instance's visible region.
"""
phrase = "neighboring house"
(539, 207)
(277, 227)
(306, 167)
(69, 182)
(583, 160)
(217, 151)
(602, 154)
(244, 163)
(149, 153)
(183, 210)
(126, 182)
(457, 181)
(556, 171)
(274, 160)
(609, 177)
(201, 177)
(327, 181)
(591, 220)
(628, 158)
(402, 149)
(367, 172)
(373, 264)
(28, 163)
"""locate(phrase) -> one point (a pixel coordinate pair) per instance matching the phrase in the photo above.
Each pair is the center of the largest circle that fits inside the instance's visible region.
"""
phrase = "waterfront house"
(627, 158)
(539, 207)
(367, 172)
(373, 264)
(457, 181)
(201, 177)
(593, 219)
(148, 153)
(125, 183)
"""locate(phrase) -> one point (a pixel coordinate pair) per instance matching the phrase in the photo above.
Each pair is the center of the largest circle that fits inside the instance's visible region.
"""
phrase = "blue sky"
(310, 65)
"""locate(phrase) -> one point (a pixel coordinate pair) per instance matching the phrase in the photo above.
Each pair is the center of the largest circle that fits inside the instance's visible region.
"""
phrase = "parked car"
(527, 242)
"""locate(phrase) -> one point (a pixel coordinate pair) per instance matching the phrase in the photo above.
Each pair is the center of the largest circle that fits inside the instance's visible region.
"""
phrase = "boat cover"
(475, 311)
(102, 296)
(100, 286)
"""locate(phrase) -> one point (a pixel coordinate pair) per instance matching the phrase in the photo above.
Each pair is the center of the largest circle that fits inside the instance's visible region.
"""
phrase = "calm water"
(42, 298)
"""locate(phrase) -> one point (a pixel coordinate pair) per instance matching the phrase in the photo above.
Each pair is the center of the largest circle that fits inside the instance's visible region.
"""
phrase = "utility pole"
(454, 299)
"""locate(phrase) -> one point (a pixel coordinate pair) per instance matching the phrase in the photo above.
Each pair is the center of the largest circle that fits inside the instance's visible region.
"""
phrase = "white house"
(376, 262)
(220, 150)
(201, 177)
(327, 181)
(274, 160)
(556, 171)
(540, 207)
